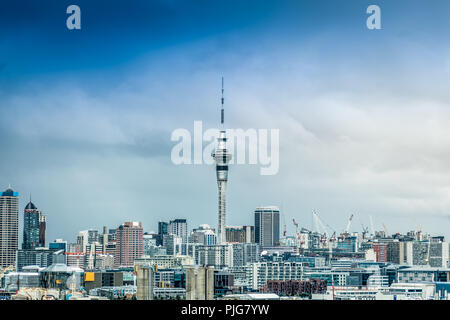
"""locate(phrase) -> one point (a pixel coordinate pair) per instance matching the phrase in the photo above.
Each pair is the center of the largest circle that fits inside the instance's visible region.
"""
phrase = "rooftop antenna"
(222, 112)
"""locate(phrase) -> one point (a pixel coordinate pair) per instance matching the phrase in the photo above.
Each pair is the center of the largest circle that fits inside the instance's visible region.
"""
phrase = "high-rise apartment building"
(267, 226)
(129, 244)
(9, 227)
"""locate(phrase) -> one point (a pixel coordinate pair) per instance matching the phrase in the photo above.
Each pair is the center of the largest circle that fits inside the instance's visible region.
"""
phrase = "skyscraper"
(222, 156)
(129, 244)
(33, 227)
(178, 227)
(9, 227)
(267, 226)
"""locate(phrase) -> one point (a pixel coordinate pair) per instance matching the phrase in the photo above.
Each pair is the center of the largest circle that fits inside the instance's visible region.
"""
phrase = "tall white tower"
(222, 157)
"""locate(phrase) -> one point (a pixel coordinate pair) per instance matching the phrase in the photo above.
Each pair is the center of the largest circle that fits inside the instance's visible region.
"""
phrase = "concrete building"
(199, 283)
(9, 227)
(145, 282)
(267, 226)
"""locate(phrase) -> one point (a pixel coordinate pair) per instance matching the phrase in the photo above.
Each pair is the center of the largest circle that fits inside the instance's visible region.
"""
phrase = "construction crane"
(365, 230)
(349, 223)
(296, 225)
(320, 226)
(385, 230)
(330, 246)
(371, 226)
(297, 235)
(284, 226)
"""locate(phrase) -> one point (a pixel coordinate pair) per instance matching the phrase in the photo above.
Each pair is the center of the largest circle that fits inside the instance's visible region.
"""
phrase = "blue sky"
(86, 115)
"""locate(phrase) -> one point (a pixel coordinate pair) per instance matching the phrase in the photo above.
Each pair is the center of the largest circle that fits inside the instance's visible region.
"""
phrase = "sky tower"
(222, 156)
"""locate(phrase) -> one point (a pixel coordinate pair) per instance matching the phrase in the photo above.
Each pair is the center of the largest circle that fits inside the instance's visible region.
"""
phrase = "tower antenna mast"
(222, 111)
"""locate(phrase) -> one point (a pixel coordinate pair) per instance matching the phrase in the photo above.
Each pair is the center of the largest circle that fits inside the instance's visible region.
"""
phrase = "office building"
(34, 224)
(267, 226)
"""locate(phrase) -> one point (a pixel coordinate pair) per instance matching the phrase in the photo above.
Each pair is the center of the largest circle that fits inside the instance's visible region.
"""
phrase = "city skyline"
(363, 116)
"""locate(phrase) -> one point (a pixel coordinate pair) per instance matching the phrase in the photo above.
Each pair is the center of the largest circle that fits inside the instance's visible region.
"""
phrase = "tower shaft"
(222, 185)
